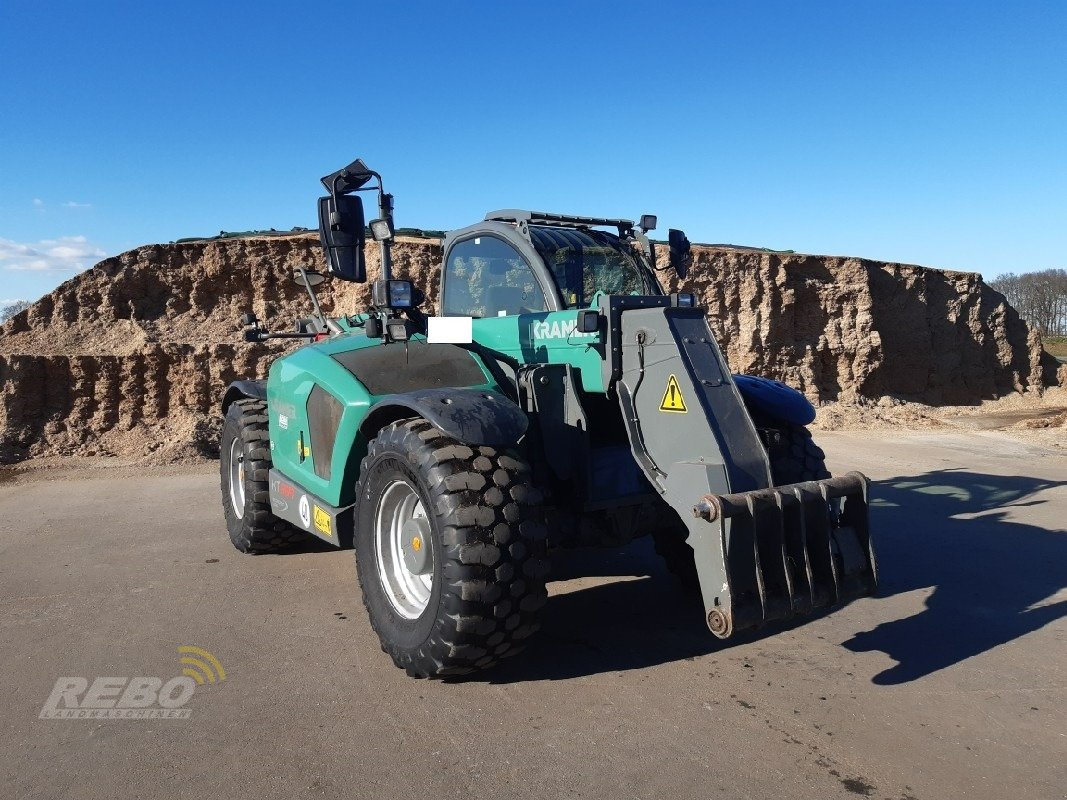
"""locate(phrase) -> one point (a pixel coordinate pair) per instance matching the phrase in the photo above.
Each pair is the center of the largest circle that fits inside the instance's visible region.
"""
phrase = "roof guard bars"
(545, 218)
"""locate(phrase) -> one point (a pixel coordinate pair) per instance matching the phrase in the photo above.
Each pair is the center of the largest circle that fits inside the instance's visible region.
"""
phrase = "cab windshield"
(584, 262)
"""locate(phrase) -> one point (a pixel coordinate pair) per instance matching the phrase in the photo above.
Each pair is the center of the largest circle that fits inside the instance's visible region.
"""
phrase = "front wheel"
(797, 458)
(450, 550)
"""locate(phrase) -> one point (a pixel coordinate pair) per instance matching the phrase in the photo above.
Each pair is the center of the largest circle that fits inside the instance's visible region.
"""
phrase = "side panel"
(547, 338)
(291, 502)
(289, 388)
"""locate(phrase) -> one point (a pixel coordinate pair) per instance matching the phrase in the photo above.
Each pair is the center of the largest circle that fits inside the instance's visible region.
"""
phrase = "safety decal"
(322, 522)
(305, 511)
(672, 397)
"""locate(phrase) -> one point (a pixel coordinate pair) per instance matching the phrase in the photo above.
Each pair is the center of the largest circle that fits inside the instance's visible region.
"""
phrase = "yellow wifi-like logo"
(202, 667)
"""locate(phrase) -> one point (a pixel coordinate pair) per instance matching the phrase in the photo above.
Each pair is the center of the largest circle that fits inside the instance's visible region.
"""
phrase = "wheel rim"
(237, 478)
(408, 593)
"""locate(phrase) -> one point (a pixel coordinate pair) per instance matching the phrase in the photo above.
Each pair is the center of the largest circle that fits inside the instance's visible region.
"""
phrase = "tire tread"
(481, 568)
(258, 531)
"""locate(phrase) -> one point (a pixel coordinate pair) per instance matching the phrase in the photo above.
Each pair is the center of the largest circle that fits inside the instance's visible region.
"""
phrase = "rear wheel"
(450, 550)
(244, 460)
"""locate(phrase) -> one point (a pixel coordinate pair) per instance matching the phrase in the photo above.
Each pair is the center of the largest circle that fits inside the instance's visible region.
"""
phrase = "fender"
(775, 399)
(253, 390)
(471, 416)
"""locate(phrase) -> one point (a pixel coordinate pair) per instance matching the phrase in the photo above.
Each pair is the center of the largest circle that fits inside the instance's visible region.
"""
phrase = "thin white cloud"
(65, 254)
(38, 202)
(72, 204)
(10, 249)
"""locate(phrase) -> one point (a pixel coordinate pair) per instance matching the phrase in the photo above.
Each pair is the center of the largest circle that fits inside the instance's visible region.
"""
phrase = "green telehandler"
(559, 396)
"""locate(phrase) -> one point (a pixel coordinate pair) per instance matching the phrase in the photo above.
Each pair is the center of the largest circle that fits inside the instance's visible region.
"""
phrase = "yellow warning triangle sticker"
(672, 397)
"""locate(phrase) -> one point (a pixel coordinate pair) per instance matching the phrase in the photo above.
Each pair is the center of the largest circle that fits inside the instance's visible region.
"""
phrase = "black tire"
(487, 540)
(255, 529)
(796, 458)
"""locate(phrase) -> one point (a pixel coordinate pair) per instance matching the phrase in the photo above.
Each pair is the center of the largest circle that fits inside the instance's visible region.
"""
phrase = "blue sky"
(924, 132)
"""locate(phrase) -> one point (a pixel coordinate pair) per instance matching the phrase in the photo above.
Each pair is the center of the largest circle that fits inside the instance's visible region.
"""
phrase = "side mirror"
(341, 230)
(680, 252)
(308, 277)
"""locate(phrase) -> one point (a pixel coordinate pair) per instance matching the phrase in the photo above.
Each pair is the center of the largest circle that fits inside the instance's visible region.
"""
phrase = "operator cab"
(528, 262)
(584, 262)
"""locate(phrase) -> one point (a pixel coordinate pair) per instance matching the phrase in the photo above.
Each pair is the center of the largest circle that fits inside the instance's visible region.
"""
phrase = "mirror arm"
(335, 215)
(314, 300)
(385, 211)
(261, 335)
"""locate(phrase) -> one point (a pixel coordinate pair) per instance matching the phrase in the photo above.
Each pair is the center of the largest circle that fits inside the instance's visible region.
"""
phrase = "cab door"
(488, 279)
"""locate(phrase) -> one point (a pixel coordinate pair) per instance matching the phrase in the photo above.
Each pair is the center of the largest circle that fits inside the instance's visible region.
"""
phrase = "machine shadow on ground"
(947, 531)
(943, 530)
(640, 621)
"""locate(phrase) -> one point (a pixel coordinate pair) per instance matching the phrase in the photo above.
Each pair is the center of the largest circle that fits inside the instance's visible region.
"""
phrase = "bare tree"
(1039, 297)
(12, 308)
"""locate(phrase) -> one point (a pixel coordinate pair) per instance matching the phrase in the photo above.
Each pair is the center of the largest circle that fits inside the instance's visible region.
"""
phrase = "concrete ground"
(950, 684)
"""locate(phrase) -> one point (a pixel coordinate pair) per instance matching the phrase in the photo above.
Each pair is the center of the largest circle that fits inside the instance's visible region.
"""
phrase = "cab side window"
(486, 277)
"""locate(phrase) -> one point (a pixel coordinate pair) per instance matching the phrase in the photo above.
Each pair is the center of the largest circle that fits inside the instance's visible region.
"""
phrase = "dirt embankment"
(855, 330)
(130, 357)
